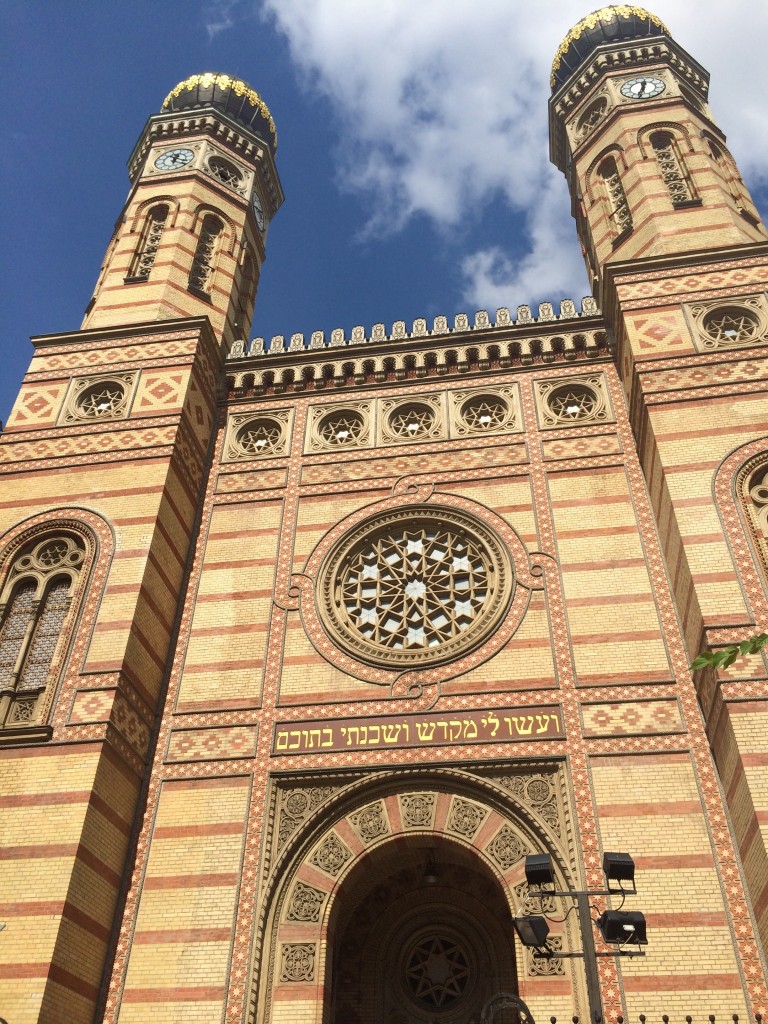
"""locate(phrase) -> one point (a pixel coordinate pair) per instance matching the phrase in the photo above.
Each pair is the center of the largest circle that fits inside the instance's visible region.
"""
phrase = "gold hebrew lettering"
(425, 730)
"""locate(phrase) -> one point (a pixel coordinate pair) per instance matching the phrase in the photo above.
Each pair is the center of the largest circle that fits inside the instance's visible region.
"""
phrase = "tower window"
(34, 608)
(225, 172)
(205, 254)
(150, 240)
(732, 325)
(671, 168)
(620, 213)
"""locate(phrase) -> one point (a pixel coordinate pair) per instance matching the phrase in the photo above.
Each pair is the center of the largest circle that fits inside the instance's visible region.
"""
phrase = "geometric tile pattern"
(220, 744)
(653, 716)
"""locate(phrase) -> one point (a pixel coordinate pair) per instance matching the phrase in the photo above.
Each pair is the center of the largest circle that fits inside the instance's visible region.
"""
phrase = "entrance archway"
(421, 934)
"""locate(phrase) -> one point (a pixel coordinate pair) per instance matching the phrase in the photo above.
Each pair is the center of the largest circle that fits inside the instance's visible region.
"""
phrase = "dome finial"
(230, 95)
(615, 23)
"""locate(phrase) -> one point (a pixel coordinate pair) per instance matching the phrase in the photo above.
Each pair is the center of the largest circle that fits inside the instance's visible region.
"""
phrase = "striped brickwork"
(597, 637)
(69, 806)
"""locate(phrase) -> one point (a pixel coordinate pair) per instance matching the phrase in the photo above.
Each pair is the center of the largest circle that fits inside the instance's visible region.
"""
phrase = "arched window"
(620, 214)
(35, 604)
(671, 167)
(205, 255)
(246, 295)
(144, 259)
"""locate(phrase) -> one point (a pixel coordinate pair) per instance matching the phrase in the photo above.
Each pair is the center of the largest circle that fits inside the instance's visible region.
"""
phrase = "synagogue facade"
(306, 645)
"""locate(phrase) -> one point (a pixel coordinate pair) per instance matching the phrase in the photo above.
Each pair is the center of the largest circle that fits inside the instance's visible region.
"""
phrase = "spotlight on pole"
(538, 869)
(623, 927)
(619, 867)
(533, 930)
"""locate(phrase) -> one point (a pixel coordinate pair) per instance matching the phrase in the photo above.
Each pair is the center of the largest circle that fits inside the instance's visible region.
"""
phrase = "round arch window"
(260, 436)
(224, 171)
(731, 325)
(341, 428)
(415, 586)
(102, 398)
(484, 412)
(572, 402)
(411, 420)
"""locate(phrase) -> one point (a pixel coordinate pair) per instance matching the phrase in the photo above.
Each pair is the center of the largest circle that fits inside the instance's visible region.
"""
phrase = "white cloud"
(442, 105)
(219, 16)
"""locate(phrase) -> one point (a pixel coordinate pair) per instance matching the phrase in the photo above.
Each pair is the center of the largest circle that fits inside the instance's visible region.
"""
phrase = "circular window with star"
(415, 586)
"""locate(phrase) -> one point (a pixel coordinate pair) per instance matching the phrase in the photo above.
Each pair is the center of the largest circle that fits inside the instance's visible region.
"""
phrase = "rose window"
(338, 429)
(573, 402)
(106, 398)
(260, 436)
(226, 173)
(437, 972)
(731, 325)
(415, 586)
(415, 419)
(484, 412)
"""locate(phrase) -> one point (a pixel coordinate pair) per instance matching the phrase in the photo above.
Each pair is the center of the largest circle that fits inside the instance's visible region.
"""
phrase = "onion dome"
(231, 96)
(617, 23)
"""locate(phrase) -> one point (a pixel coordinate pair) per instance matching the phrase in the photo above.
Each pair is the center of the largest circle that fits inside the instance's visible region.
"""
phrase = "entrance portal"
(421, 935)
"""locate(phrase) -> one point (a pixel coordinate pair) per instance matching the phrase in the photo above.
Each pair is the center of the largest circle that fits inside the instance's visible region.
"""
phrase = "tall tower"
(190, 238)
(679, 260)
(104, 463)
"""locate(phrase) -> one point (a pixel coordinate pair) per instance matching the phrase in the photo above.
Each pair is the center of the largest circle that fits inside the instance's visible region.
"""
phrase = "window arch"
(672, 168)
(246, 294)
(36, 606)
(619, 211)
(144, 258)
(203, 261)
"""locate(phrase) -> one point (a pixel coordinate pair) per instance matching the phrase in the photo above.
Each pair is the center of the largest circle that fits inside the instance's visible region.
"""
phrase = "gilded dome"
(616, 23)
(231, 96)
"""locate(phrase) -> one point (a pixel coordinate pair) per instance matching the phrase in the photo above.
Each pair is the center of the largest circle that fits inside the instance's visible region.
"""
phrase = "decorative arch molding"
(96, 538)
(679, 131)
(744, 519)
(142, 209)
(228, 235)
(614, 150)
(338, 822)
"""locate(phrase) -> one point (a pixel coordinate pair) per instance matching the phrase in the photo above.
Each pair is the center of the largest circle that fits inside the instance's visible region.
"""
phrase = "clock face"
(258, 209)
(642, 88)
(173, 159)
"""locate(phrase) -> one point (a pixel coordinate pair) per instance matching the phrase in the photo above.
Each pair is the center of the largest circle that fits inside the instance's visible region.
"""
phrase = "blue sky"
(412, 147)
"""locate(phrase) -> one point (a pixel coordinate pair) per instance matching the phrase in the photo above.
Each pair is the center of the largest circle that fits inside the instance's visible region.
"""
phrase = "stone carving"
(277, 344)
(358, 335)
(295, 807)
(378, 332)
(417, 809)
(298, 962)
(588, 306)
(337, 337)
(567, 309)
(238, 349)
(331, 855)
(461, 322)
(524, 315)
(419, 328)
(538, 793)
(440, 325)
(297, 343)
(546, 311)
(305, 903)
(506, 848)
(317, 340)
(503, 319)
(370, 822)
(534, 905)
(257, 347)
(545, 967)
(465, 817)
(481, 319)
(398, 329)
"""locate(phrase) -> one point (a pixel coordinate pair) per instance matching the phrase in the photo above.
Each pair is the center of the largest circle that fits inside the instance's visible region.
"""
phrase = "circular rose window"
(437, 972)
(419, 585)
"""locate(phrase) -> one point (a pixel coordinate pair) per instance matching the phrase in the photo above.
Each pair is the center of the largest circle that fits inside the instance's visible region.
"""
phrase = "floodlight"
(619, 867)
(623, 927)
(533, 930)
(538, 869)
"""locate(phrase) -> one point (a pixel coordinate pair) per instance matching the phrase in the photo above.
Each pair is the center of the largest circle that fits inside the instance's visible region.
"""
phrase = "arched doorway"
(421, 934)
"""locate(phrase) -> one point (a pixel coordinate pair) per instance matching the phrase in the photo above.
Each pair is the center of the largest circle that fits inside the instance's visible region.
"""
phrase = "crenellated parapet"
(508, 343)
(378, 333)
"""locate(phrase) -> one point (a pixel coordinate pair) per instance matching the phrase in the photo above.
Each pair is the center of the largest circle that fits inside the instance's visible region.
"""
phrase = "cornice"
(92, 337)
(360, 361)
